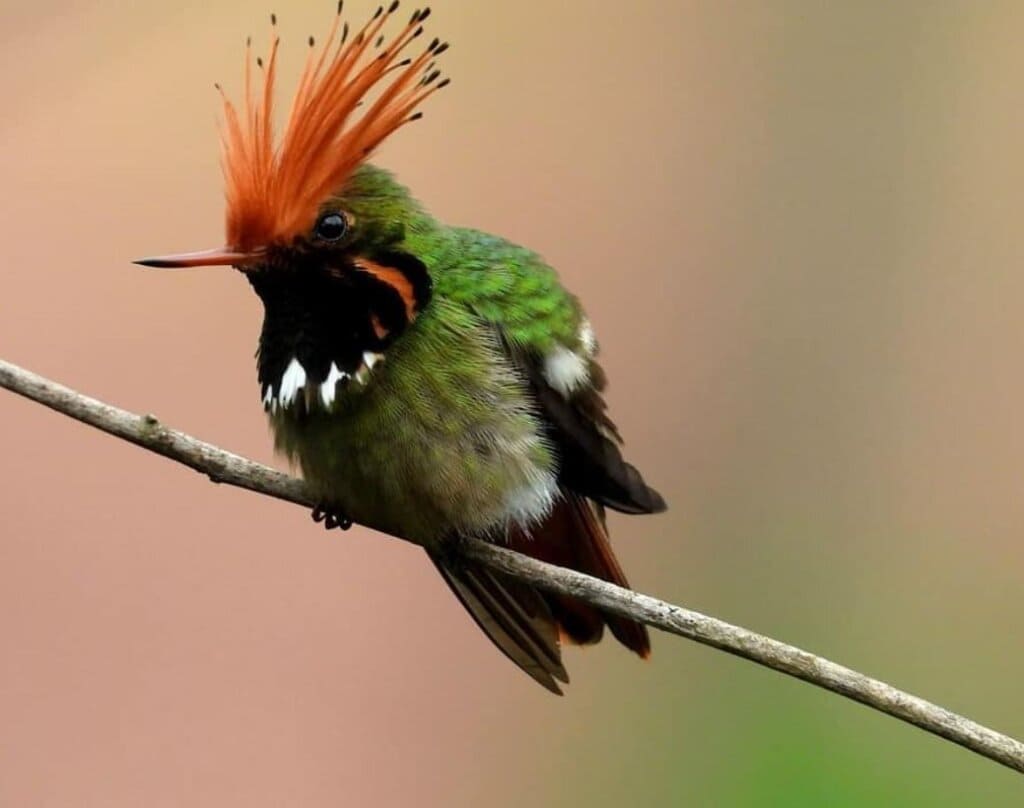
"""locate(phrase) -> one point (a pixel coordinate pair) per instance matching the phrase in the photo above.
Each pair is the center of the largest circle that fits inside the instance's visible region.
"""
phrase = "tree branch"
(224, 467)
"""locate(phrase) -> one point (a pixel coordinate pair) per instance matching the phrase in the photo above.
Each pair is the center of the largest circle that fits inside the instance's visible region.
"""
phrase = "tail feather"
(575, 536)
(514, 616)
(525, 623)
(597, 559)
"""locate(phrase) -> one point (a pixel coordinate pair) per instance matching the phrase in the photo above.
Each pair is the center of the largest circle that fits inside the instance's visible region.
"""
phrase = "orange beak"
(217, 257)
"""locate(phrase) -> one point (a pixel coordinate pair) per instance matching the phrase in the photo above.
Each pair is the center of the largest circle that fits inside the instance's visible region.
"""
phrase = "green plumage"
(482, 417)
(431, 381)
(443, 429)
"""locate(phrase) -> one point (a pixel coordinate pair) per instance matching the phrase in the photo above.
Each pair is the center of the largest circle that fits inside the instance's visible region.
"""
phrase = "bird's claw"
(331, 517)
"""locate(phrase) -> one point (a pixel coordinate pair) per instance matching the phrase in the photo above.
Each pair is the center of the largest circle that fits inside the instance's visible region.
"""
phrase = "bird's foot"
(331, 516)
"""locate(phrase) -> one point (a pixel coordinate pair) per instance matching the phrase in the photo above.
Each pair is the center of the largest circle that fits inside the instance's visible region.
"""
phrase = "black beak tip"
(217, 257)
(152, 262)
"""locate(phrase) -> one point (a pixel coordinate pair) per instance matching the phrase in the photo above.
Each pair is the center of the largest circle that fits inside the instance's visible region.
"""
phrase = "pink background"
(797, 231)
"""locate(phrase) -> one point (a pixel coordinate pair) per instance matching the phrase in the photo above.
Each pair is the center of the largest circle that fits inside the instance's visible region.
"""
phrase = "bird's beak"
(217, 257)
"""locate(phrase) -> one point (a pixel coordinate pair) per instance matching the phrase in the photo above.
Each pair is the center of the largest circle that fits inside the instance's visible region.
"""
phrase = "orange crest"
(274, 190)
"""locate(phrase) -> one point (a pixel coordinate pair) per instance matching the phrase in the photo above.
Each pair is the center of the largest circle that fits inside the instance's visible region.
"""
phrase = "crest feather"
(274, 190)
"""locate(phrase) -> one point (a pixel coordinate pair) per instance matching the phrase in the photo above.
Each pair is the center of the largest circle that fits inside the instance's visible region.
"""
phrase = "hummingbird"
(435, 382)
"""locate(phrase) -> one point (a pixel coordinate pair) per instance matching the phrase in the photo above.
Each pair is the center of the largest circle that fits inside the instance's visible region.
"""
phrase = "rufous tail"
(527, 624)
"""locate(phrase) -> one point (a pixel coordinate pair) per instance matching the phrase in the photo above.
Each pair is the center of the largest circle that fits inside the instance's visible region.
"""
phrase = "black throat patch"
(331, 316)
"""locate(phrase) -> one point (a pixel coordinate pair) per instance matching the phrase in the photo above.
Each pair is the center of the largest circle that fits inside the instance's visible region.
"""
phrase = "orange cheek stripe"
(397, 280)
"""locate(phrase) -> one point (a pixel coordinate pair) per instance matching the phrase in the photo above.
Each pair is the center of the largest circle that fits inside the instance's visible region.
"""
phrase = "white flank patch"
(565, 370)
(330, 385)
(268, 397)
(371, 359)
(529, 504)
(293, 380)
(587, 338)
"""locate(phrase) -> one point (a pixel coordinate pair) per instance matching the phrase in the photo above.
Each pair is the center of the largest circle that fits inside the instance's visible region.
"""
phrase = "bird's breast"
(441, 439)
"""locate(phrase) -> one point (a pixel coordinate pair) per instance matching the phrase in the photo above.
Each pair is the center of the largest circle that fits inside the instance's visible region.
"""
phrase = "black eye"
(331, 227)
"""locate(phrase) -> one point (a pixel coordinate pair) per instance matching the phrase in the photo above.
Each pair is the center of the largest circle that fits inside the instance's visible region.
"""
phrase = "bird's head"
(319, 233)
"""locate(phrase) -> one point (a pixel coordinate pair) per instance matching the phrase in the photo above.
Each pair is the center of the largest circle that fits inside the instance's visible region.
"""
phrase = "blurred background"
(796, 229)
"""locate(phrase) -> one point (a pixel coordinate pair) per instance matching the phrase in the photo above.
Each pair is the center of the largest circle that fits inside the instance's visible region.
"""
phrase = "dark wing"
(592, 474)
(586, 440)
(513, 291)
(523, 622)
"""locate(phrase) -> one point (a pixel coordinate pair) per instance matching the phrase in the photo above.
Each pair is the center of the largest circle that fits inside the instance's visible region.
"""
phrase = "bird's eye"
(331, 227)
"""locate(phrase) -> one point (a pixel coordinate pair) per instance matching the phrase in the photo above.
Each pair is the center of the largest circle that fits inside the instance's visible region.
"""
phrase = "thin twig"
(224, 467)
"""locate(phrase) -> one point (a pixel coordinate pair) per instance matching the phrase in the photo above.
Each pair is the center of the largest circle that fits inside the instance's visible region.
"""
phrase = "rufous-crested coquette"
(435, 382)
